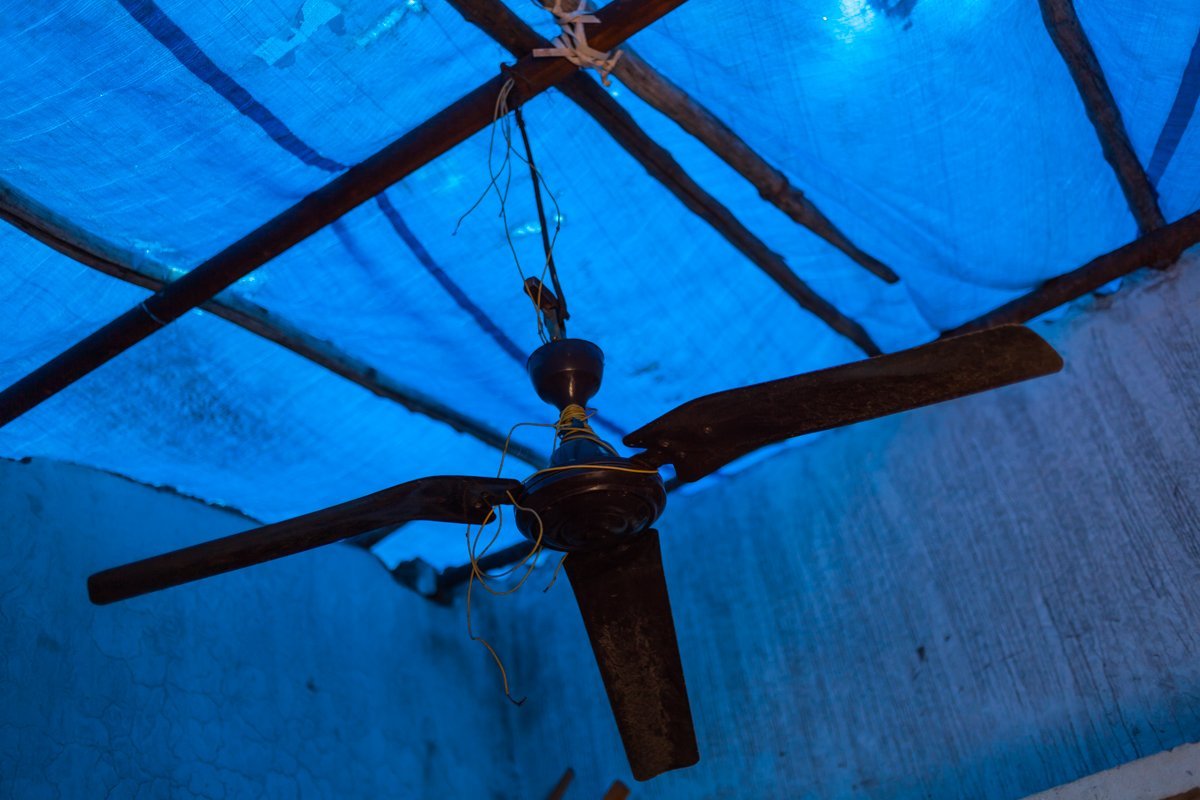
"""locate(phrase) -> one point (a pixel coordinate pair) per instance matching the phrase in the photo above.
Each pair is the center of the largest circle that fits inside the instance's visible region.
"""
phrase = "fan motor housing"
(590, 507)
(589, 499)
(566, 371)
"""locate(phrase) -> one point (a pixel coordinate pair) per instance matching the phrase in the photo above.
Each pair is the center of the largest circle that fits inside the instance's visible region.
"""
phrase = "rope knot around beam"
(572, 43)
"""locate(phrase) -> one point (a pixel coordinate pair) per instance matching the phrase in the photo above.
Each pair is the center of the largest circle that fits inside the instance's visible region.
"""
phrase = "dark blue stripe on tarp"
(1180, 116)
(162, 28)
(460, 297)
(447, 283)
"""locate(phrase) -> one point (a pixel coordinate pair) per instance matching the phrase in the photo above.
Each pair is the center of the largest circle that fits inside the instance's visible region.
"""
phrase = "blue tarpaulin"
(944, 137)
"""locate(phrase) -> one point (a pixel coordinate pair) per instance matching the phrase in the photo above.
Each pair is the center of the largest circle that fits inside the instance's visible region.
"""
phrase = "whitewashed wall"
(311, 677)
(980, 600)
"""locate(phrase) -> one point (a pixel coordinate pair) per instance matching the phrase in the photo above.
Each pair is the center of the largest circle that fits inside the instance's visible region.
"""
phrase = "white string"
(500, 180)
(572, 43)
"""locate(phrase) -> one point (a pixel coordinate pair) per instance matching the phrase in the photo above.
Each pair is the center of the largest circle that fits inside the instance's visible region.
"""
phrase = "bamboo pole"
(1162, 246)
(669, 99)
(496, 20)
(664, 168)
(44, 225)
(471, 113)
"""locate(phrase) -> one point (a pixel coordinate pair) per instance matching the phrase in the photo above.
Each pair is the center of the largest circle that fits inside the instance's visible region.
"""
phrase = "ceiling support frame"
(1162, 246)
(470, 114)
(43, 225)
(1065, 29)
(497, 21)
(672, 101)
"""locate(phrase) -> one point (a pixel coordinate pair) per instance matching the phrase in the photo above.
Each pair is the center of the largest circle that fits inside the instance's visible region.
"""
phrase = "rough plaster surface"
(1161, 776)
(981, 600)
(312, 677)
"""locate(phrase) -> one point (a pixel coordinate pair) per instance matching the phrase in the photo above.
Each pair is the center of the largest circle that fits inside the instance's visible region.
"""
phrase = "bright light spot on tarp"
(246, 285)
(857, 17)
(312, 16)
(533, 227)
(389, 21)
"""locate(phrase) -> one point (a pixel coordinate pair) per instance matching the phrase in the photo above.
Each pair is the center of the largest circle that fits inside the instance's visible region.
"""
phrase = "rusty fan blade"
(622, 595)
(703, 435)
(439, 499)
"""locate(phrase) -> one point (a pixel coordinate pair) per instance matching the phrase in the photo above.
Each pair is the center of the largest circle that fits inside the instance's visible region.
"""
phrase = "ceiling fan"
(599, 507)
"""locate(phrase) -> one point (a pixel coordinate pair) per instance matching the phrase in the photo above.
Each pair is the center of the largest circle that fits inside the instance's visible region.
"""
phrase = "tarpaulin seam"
(190, 55)
(1179, 117)
(147, 14)
(453, 289)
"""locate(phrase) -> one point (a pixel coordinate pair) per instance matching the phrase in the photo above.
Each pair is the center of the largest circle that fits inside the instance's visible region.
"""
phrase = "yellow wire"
(609, 467)
(482, 577)
(566, 431)
(572, 425)
(554, 577)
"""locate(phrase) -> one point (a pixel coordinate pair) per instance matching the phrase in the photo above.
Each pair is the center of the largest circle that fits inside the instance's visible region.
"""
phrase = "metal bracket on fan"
(549, 307)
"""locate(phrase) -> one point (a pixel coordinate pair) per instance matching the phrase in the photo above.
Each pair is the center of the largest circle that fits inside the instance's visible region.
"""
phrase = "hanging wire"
(561, 312)
(573, 421)
(572, 425)
(500, 181)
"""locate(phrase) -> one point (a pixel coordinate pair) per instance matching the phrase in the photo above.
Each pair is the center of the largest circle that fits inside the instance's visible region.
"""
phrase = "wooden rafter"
(669, 99)
(1162, 246)
(1072, 42)
(44, 226)
(496, 20)
(470, 114)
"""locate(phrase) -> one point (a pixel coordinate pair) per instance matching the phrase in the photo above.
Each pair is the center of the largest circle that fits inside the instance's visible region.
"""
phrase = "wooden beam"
(618, 791)
(470, 114)
(1069, 37)
(496, 20)
(559, 792)
(664, 168)
(1162, 246)
(45, 226)
(669, 99)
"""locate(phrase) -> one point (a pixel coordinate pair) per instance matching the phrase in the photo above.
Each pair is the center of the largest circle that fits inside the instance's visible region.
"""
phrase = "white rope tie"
(572, 43)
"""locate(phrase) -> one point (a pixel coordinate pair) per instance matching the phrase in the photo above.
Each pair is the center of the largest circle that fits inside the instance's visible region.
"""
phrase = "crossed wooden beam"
(1159, 244)
(454, 124)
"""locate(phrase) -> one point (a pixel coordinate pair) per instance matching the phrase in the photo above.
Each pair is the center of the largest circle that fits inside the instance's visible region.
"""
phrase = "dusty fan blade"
(622, 595)
(703, 435)
(439, 499)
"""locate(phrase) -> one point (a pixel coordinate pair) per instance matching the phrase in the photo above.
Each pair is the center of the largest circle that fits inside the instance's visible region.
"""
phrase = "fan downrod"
(599, 504)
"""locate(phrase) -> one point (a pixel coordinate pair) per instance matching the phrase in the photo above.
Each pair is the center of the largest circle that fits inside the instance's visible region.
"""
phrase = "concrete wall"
(315, 676)
(979, 600)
